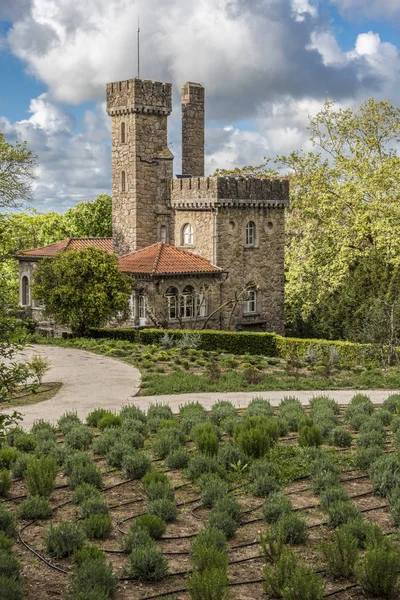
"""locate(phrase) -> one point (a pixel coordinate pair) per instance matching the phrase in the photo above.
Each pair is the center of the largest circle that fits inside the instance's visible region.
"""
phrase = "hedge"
(242, 342)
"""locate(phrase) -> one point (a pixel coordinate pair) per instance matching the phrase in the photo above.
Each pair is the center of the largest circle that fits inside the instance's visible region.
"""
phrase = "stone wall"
(262, 264)
(203, 224)
(193, 98)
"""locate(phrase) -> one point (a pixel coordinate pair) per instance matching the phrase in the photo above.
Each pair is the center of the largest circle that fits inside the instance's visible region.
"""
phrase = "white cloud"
(301, 8)
(368, 8)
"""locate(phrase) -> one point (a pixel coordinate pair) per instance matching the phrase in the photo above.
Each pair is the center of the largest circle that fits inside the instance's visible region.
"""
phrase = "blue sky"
(266, 65)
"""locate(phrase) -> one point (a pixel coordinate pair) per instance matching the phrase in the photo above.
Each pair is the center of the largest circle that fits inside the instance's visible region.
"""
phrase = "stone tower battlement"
(137, 96)
(222, 190)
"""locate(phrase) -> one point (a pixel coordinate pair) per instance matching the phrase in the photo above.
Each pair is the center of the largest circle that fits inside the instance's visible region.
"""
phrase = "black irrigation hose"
(39, 556)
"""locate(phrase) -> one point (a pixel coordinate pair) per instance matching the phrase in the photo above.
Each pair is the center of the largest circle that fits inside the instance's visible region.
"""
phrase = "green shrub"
(384, 416)
(310, 436)
(323, 479)
(394, 504)
(222, 410)
(210, 536)
(359, 409)
(92, 578)
(10, 589)
(131, 424)
(163, 508)
(368, 439)
(63, 539)
(332, 495)
(320, 404)
(8, 456)
(378, 572)
(97, 526)
(291, 529)
(153, 524)
(275, 506)
(94, 417)
(340, 437)
(206, 557)
(25, 442)
(340, 554)
(135, 538)
(85, 472)
(6, 543)
(230, 505)
(159, 489)
(206, 438)
(222, 520)
(212, 488)
(157, 413)
(304, 585)
(67, 421)
(146, 563)
(359, 529)
(78, 437)
(228, 425)
(135, 465)
(264, 485)
(154, 477)
(256, 435)
(83, 492)
(133, 438)
(18, 467)
(95, 505)
(207, 585)
(292, 411)
(74, 459)
(9, 565)
(52, 448)
(392, 403)
(365, 457)
(34, 508)
(190, 420)
(178, 459)
(132, 412)
(40, 476)
(165, 442)
(278, 574)
(200, 464)
(384, 474)
(341, 512)
(42, 430)
(7, 522)
(109, 420)
(259, 406)
(5, 482)
(229, 455)
(261, 467)
(115, 455)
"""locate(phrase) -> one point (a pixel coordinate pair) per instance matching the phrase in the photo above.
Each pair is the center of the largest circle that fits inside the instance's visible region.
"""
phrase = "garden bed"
(248, 471)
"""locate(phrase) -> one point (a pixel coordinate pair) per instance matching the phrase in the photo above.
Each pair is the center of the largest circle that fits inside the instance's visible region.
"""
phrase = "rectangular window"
(250, 305)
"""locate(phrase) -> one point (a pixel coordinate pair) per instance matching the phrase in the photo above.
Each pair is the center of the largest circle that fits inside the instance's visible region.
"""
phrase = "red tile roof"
(69, 243)
(164, 259)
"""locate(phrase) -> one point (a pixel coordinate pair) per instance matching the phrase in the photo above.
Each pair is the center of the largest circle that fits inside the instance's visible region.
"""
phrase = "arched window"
(163, 234)
(123, 181)
(123, 132)
(142, 310)
(172, 303)
(250, 304)
(25, 291)
(187, 235)
(250, 234)
(187, 302)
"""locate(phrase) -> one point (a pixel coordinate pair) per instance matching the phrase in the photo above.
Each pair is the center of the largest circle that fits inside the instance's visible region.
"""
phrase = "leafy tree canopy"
(17, 170)
(344, 216)
(82, 289)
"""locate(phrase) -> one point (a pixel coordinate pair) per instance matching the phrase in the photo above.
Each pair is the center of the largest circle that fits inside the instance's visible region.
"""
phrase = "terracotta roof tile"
(164, 259)
(72, 243)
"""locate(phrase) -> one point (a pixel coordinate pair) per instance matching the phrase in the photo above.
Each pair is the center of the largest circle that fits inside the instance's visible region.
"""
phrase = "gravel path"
(88, 380)
(91, 381)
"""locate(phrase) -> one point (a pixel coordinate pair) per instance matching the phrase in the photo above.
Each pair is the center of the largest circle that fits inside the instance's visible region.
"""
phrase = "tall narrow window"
(202, 303)
(172, 303)
(122, 132)
(250, 234)
(123, 181)
(142, 310)
(187, 235)
(187, 302)
(25, 291)
(250, 305)
(163, 234)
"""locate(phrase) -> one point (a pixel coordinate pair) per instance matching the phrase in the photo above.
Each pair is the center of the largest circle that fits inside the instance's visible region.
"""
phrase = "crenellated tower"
(142, 163)
(193, 115)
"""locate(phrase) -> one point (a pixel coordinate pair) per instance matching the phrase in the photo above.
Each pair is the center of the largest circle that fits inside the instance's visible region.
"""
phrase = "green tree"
(17, 166)
(82, 289)
(344, 216)
(90, 219)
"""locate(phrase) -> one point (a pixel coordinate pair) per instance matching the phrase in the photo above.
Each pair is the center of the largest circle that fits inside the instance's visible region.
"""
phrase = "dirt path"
(88, 380)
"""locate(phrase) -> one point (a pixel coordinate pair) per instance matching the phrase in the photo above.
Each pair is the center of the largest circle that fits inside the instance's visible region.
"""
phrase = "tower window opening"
(25, 291)
(250, 234)
(163, 234)
(172, 303)
(250, 305)
(123, 181)
(187, 235)
(123, 132)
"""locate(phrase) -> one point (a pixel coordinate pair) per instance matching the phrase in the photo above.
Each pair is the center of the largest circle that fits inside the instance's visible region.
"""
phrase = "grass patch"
(23, 397)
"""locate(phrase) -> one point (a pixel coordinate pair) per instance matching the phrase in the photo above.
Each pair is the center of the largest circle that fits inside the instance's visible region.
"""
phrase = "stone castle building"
(205, 252)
